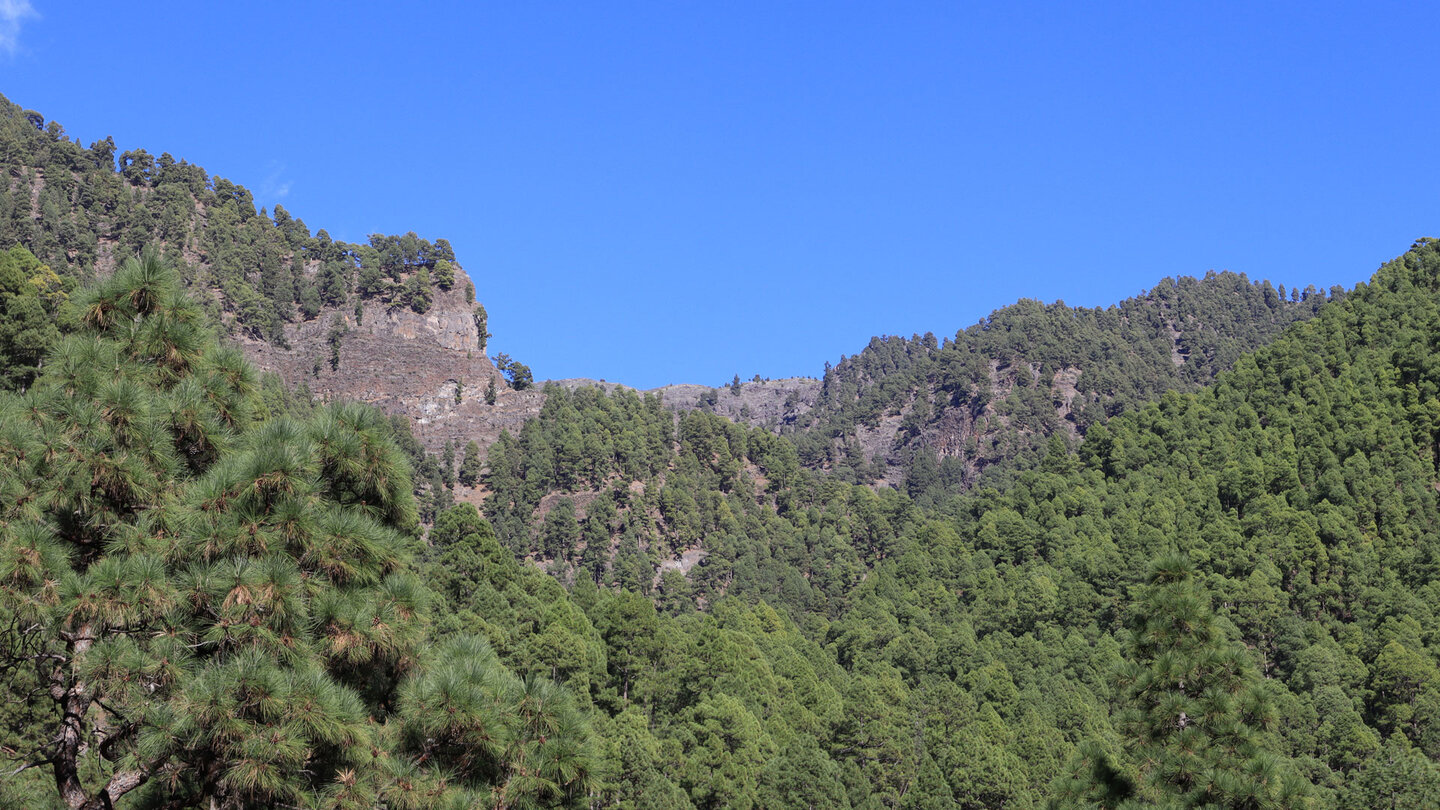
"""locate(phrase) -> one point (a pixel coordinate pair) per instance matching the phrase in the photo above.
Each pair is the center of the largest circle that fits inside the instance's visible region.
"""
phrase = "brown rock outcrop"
(426, 366)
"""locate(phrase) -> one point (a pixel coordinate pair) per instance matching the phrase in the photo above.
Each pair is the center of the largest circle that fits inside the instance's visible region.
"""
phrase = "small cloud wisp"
(275, 186)
(12, 14)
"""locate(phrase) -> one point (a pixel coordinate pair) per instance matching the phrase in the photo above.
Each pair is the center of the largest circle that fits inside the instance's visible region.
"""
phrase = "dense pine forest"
(1206, 577)
(81, 210)
(983, 404)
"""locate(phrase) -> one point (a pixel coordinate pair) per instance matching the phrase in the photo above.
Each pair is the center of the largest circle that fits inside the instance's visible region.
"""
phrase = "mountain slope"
(970, 649)
(737, 628)
(991, 396)
(988, 399)
(392, 322)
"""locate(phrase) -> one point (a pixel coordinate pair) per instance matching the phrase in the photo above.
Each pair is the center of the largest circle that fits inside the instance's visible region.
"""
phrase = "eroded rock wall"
(426, 366)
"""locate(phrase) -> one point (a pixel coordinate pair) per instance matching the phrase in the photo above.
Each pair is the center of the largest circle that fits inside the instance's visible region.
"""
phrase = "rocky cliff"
(993, 393)
(426, 366)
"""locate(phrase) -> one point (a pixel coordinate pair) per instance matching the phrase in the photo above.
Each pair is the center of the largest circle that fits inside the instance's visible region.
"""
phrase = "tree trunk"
(74, 700)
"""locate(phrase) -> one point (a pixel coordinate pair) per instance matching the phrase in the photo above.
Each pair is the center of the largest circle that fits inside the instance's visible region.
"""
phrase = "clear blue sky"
(668, 192)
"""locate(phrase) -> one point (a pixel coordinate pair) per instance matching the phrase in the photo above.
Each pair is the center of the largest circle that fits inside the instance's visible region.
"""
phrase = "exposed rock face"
(427, 366)
(983, 436)
(769, 404)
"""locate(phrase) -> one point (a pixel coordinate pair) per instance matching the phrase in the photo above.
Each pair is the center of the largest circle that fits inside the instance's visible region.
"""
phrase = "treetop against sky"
(657, 194)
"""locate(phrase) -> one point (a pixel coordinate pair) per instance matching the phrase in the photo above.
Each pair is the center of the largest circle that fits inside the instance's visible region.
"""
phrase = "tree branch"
(27, 766)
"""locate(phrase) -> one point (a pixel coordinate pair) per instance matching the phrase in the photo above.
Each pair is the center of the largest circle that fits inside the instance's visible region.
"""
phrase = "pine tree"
(214, 606)
(199, 608)
(417, 291)
(1195, 714)
(482, 320)
(444, 274)
(470, 465)
(309, 302)
(334, 337)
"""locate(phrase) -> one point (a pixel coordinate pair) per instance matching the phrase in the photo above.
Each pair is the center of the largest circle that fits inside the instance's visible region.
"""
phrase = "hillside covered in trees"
(937, 417)
(1190, 559)
(941, 414)
(81, 210)
(980, 644)
(1255, 556)
(298, 302)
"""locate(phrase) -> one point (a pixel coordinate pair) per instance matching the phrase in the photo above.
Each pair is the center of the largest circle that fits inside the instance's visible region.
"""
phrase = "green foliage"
(269, 270)
(482, 320)
(334, 337)
(225, 584)
(516, 373)
(417, 291)
(505, 741)
(445, 275)
(310, 303)
(141, 564)
(1030, 371)
(216, 607)
(32, 300)
(1398, 776)
(1195, 709)
(960, 651)
(627, 455)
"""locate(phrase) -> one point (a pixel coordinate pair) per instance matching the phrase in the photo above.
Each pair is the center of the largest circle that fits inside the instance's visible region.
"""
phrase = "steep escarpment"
(392, 322)
(426, 366)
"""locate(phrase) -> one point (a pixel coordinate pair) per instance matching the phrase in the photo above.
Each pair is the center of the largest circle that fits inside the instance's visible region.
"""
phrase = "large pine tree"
(204, 607)
(1194, 717)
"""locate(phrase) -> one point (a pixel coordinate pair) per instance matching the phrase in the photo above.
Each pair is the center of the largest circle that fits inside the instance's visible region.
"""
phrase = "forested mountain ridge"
(926, 415)
(393, 322)
(930, 414)
(964, 650)
(600, 483)
(1297, 482)
(990, 397)
(84, 210)
(215, 591)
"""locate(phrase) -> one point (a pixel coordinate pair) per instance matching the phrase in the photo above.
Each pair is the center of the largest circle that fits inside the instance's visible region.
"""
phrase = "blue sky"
(678, 192)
